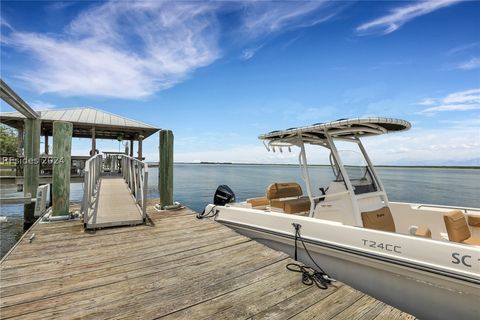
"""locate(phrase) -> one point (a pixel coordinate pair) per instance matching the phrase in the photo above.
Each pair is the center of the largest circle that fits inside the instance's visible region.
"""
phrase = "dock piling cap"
(342, 128)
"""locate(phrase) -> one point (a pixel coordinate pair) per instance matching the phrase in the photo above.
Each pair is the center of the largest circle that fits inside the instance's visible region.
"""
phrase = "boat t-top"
(423, 259)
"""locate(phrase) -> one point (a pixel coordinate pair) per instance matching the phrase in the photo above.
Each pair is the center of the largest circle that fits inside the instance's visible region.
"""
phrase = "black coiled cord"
(209, 214)
(309, 274)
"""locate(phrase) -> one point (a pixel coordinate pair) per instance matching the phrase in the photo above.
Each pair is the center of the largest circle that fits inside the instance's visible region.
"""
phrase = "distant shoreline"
(155, 164)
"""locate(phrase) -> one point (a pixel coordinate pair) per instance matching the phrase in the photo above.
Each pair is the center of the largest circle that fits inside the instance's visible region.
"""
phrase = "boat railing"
(135, 173)
(93, 169)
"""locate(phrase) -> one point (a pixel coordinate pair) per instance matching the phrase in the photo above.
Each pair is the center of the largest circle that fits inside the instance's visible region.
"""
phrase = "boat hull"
(418, 292)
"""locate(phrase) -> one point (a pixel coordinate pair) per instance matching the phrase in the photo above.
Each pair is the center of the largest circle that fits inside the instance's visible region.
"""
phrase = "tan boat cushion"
(292, 205)
(283, 190)
(380, 219)
(257, 202)
(456, 225)
(423, 231)
(297, 205)
(474, 221)
(472, 241)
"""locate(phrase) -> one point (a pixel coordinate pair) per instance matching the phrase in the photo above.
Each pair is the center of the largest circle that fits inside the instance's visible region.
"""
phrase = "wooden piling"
(94, 142)
(46, 143)
(165, 168)
(62, 147)
(140, 148)
(31, 166)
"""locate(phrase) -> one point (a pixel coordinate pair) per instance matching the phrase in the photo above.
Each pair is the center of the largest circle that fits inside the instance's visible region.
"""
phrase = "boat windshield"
(357, 170)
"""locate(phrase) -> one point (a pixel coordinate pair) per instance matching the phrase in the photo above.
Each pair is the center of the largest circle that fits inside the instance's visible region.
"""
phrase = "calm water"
(195, 185)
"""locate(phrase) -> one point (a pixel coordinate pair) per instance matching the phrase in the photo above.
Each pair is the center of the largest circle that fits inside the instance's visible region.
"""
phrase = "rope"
(310, 275)
(209, 214)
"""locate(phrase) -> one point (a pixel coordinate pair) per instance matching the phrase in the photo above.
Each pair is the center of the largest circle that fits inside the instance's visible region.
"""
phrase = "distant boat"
(3, 219)
(423, 259)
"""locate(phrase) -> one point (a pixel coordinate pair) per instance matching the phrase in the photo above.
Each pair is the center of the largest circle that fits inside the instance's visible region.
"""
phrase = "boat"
(421, 258)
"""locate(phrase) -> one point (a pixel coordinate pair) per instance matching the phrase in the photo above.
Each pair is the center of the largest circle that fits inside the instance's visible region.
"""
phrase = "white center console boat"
(423, 259)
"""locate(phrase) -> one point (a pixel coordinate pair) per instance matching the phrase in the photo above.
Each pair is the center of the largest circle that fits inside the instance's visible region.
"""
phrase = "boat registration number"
(382, 245)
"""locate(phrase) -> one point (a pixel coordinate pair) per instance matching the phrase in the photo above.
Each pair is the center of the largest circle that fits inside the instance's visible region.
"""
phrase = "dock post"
(31, 167)
(165, 168)
(46, 143)
(94, 142)
(62, 147)
(140, 148)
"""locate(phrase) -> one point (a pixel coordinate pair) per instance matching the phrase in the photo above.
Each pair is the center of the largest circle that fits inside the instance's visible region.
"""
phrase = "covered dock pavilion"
(88, 122)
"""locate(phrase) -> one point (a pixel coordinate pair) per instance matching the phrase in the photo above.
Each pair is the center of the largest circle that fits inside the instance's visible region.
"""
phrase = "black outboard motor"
(223, 195)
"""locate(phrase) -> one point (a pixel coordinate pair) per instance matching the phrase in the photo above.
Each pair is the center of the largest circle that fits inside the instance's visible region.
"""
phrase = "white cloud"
(471, 64)
(248, 53)
(401, 15)
(467, 96)
(424, 146)
(462, 48)
(452, 107)
(264, 17)
(132, 49)
(42, 105)
(122, 49)
(456, 101)
(428, 102)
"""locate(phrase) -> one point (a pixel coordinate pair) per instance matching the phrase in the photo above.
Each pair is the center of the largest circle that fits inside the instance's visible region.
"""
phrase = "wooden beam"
(62, 151)
(165, 168)
(131, 148)
(31, 166)
(10, 97)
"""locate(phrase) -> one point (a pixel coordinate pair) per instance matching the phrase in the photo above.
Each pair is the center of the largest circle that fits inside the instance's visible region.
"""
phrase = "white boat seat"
(457, 228)
(291, 205)
(380, 219)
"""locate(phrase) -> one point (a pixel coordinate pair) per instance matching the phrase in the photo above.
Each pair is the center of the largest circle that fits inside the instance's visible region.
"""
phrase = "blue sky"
(221, 73)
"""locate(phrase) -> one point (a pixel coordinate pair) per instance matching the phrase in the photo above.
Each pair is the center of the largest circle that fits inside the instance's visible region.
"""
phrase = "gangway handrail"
(135, 174)
(93, 168)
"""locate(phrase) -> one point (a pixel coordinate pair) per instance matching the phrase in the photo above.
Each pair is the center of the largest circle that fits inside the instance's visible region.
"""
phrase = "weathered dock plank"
(175, 267)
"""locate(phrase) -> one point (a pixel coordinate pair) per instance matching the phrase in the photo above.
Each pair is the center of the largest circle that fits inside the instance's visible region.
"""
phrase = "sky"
(220, 73)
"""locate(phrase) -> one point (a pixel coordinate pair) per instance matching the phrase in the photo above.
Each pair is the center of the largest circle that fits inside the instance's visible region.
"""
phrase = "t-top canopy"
(342, 128)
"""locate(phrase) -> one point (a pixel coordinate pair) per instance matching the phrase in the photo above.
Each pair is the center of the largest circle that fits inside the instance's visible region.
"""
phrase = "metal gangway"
(114, 197)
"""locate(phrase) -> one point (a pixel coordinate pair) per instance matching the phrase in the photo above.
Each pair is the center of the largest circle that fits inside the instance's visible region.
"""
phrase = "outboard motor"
(223, 195)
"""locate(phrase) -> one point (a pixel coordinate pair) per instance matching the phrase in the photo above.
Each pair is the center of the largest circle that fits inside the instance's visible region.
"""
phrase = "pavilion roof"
(107, 125)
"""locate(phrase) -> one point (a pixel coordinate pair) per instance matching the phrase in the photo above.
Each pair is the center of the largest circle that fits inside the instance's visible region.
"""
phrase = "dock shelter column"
(31, 166)
(62, 150)
(131, 148)
(94, 143)
(165, 169)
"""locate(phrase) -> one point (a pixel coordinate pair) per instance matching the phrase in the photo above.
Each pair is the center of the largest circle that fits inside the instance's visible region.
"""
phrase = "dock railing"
(135, 173)
(93, 168)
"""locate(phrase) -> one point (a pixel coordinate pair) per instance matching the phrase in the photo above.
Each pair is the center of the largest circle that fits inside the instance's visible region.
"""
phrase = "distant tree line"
(8, 140)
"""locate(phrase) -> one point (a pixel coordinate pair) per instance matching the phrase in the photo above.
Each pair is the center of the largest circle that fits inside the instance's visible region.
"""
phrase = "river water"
(195, 184)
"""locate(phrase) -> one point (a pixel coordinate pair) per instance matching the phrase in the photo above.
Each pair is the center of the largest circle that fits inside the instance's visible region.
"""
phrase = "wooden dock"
(116, 205)
(175, 267)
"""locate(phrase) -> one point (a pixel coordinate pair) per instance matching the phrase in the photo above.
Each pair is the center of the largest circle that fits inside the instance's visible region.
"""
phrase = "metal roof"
(342, 128)
(107, 125)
